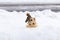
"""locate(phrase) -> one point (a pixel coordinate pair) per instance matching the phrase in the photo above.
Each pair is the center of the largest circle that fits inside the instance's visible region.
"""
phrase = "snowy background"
(13, 26)
(29, 1)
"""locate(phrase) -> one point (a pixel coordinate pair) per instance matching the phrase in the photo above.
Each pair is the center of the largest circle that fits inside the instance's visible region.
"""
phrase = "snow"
(13, 26)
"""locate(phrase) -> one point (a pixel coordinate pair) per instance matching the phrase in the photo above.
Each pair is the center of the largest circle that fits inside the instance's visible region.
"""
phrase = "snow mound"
(12, 26)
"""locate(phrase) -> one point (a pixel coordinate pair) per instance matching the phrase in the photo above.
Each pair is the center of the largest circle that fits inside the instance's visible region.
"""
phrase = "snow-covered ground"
(12, 26)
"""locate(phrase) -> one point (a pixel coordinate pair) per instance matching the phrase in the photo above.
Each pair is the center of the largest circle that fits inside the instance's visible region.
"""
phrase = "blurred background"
(30, 1)
(30, 5)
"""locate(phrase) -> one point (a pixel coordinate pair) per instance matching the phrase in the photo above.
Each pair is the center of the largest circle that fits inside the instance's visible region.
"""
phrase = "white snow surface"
(13, 26)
